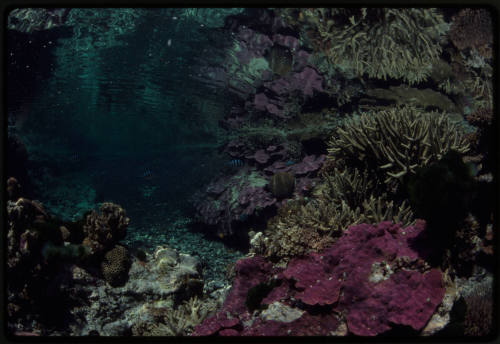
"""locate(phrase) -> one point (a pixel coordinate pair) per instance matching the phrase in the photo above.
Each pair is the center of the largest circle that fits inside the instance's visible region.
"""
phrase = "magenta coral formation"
(233, 198)
(374, 275)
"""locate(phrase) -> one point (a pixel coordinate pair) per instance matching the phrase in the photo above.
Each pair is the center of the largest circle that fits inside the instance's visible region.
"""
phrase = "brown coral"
(482, 117)
(472, 28)
(13, 189)
(116, 265)
(103, 230)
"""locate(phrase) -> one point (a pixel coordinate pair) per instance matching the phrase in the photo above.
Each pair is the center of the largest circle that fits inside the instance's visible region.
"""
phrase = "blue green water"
(116, 111)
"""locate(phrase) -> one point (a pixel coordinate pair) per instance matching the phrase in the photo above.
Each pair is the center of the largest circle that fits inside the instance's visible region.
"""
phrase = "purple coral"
(375, 293)
(371, 264)
(305, 81)
(310, 163)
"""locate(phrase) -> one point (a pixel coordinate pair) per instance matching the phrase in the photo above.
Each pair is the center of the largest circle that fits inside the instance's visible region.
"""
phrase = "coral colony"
(250, 172)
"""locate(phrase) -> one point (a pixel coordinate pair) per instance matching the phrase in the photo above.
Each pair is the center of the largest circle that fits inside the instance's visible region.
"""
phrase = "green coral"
(380, 42)
(397, 140)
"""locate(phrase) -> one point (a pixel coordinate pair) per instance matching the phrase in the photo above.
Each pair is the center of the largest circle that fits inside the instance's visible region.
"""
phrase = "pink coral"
(310, 163)
(373, 266)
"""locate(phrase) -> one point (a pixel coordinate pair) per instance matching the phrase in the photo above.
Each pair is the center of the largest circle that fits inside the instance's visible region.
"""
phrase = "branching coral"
(343, 199)
(397, 140)
(182, 321)
(381, 42)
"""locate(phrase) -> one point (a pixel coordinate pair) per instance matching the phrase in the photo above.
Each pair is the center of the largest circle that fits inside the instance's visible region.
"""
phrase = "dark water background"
(115, 108)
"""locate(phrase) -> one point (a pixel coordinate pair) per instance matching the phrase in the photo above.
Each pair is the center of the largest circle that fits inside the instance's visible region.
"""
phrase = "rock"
(277, 311)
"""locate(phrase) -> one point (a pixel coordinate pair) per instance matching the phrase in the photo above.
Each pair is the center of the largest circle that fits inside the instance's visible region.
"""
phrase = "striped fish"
(147, 174)
(236, 163)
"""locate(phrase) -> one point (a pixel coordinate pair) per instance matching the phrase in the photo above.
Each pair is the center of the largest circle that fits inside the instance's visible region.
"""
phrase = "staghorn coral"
(397, 140)
(116, 265)
(106, 228)
(379, 42)
(473, 28)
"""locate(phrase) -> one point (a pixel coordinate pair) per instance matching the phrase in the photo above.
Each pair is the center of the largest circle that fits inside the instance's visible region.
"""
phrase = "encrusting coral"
(397, 140)
(380, 42)
(473, 28)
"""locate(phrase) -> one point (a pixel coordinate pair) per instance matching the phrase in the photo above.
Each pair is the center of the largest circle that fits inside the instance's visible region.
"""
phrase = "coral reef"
(473, 28)
(104, 229)
(397, 140)
(479, 311)
(116, 265)
(441, 193)
(422, 98)
(391, 285)
(28, 20)
(167, 281)
(177, 322)
(13, 189)
(379, 42)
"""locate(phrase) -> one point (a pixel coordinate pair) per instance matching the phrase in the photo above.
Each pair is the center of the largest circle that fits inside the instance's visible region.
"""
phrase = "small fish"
(147, 174)
(236, 163)
(169, 42)
(289, 162)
